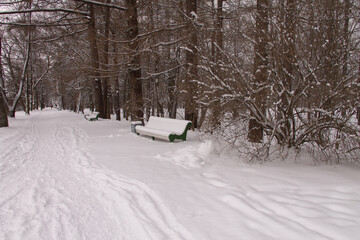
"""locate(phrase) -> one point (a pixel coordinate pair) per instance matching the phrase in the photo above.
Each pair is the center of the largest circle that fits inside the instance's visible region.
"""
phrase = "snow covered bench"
(92, 116)
(164, 128)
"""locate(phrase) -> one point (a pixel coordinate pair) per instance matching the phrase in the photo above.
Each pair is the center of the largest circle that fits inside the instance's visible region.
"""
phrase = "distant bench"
(91, 116)
(165, 128)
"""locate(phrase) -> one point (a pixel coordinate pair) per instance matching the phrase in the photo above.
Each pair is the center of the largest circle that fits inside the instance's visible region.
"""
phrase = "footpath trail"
(50, 190)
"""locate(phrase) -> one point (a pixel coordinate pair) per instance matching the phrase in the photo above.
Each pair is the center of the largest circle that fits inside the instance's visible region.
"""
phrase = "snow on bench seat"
(92, 116)
(165, 128)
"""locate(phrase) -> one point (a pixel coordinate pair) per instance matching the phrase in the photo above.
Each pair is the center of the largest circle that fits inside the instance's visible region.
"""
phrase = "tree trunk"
(286, 65)
(125, 100)
(27, 82)
(99, 103)
(172, 104)
(106, 79)
(116, 86)
(202, 117)
(134, 69)
(216, 105)
(191, 110)
(347, 11)
(3, 113)
(27, 95)
(3, 108)
(255, 133)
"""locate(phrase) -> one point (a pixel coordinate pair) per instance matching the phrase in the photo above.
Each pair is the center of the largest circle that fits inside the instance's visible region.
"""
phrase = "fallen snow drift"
(62, 177)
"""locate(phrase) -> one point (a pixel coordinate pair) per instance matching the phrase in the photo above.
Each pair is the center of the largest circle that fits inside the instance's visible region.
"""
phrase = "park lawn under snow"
(62, 177)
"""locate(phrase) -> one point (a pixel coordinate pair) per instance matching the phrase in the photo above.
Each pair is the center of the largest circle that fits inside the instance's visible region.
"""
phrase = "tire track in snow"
(52, 191)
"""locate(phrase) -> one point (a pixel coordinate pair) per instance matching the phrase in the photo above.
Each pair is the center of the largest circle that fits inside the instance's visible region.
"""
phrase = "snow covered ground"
(62, 177)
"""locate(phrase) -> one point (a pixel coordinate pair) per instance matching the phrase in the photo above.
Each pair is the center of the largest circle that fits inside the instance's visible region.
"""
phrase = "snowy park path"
(50, 190)
(65, 178)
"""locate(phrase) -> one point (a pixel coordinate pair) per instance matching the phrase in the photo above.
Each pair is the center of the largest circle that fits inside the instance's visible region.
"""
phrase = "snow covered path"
(49, 190)
(65, 178)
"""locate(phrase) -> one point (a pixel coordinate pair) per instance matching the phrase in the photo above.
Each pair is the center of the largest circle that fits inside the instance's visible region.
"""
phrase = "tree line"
(260, 71)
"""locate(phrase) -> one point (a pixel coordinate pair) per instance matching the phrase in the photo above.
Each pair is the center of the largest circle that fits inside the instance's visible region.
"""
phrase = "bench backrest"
(87, 111)
(167, 124)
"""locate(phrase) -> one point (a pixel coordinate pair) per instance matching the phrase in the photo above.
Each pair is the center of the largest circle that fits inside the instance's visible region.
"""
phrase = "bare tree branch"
(44, 10)
(102, 4)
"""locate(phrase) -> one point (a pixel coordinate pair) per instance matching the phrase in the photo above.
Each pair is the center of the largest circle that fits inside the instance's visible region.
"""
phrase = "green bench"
(92, 116)
(164, 128)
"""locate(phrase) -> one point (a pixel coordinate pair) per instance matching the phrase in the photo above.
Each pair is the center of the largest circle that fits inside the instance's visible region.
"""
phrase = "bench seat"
(165, 128)
(92, 116)
(153, 132)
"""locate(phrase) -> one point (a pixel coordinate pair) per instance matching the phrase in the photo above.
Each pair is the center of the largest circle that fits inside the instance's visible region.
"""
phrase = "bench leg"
(171, 138)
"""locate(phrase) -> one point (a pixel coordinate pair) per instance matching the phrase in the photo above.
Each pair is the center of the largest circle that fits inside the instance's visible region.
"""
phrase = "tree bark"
(27, 95)
(218, 38)
(3, 113)
(116, 85)
(255, 133)
(286, 65)
(191, 110)
(106, 79)
(27, 88)
(3, 108)
(134, 68)
(95, 75)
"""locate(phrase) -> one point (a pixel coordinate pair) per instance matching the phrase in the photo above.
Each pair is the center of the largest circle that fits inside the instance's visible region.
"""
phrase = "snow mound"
(205, 149)
(189, 157)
